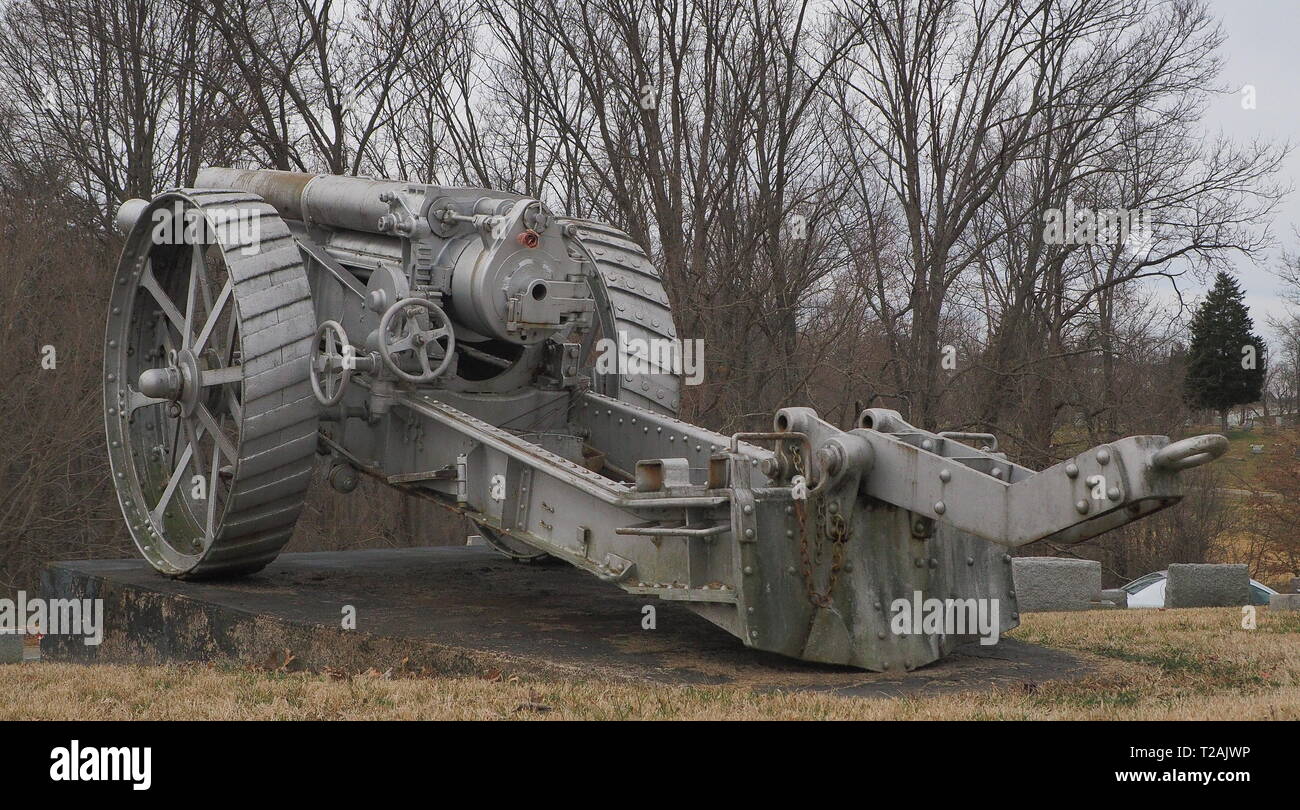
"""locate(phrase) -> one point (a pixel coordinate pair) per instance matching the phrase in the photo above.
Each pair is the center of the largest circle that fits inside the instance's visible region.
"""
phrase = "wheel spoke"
(173, 448)
(222, 376)
(150, 282)
(214, 474)
(233, 406)
(222, 440)
(196, 272)
(213, 314)
(177, 473)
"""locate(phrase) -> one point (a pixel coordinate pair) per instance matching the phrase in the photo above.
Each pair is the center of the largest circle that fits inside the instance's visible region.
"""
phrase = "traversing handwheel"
(416, 326)
(332, 362)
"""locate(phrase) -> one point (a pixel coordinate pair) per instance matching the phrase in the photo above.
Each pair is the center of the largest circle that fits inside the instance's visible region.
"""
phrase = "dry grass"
(1186, 664)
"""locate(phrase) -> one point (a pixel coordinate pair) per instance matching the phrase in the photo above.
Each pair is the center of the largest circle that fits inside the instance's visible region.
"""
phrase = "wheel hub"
(178, 381)
(161, 383)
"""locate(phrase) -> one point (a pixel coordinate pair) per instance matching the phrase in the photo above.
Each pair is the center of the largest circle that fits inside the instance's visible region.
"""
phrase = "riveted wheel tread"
(630, 298)
(272, 420)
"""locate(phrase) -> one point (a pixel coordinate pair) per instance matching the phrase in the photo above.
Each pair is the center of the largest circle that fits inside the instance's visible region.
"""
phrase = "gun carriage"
(443, 340)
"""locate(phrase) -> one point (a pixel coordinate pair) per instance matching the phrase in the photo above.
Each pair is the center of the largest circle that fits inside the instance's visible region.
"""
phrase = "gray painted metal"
(798, 540)
(210, 477)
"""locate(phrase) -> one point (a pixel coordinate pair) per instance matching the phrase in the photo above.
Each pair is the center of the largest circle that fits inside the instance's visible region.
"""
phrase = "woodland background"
(833, 191)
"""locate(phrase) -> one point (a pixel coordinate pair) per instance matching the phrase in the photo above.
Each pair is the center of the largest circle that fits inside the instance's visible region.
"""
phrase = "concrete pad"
(469, 611)
(1197, 585)
(1056, 583)
(1284, 601)
(11, 648)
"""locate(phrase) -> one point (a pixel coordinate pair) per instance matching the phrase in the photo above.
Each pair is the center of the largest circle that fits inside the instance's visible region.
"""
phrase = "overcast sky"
(1263, 49)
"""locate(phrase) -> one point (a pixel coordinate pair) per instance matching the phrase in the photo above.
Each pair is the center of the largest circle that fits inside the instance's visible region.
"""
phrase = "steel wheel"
(630, 298)
(211, 419)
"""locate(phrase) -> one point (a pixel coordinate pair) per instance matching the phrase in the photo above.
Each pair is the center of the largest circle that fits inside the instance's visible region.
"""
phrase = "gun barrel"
(324, 199)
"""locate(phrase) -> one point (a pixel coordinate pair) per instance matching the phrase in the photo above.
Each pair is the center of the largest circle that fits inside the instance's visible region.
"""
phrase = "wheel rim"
(206, 486)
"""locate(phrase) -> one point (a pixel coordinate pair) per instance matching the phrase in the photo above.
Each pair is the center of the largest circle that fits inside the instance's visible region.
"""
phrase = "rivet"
(1006, 558)
(970, 560)
(1103, 456)
(749, 510)
(753, 634)
(749, 569)
(940, 508)
(1081, 507)
(1072, 470)
(934, 563)
(926, 444)
(1113, 493)
(749, 533)
(880, 634)
(945, 475)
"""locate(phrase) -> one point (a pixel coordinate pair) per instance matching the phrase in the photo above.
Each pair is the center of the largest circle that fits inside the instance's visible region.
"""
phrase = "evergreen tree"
(1225, 361)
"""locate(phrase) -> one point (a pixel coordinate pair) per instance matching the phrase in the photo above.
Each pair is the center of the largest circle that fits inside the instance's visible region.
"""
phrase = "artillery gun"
(443, 340)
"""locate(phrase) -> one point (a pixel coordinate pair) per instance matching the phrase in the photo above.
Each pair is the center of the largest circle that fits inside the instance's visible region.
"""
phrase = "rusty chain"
(836, 530)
